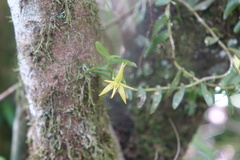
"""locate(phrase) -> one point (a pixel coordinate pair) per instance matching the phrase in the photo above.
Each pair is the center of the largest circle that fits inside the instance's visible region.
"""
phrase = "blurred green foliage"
(7, 78)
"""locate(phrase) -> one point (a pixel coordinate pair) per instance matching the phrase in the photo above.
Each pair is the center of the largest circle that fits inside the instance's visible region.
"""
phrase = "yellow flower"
(116, 85)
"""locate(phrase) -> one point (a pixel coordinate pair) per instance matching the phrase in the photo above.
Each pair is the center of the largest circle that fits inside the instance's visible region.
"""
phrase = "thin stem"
(177, 137)
(170, 36)
(192, 85)
(124, 15)
(184, 71)
(9, 91)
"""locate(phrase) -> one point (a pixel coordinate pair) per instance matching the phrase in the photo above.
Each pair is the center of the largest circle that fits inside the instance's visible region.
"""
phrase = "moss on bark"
(67, 118)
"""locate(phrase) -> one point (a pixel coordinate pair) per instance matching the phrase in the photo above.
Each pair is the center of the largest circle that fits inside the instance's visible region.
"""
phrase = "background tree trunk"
(145, 136)
(55, 44)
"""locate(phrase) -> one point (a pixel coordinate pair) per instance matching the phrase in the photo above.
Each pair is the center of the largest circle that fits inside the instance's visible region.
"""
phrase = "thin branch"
(221, 44)
(170, 36)
(151, 18)
(9, 91)
(178, 138)
(118, 18)
(192, 84)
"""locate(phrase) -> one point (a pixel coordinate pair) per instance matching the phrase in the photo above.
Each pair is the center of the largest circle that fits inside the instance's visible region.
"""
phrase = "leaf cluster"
(106, 70)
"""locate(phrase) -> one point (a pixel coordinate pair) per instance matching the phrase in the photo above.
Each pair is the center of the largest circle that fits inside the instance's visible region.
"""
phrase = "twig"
(221, 44)
(178, 139)
(117, 19)
(156, 155)
(151, 18)
(9, 91)
(192, 84)
(171, 37)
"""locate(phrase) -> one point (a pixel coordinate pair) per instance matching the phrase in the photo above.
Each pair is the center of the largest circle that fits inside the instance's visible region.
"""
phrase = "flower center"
(116, 85)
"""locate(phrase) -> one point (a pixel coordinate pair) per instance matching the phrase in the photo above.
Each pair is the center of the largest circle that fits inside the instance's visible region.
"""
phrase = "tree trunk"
(55, 44)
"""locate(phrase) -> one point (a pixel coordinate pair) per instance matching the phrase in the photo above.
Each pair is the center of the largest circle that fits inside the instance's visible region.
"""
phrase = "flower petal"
(122, 94)
(109, 81)
(107, 89)
(114, 90)
(126, 86)
(119, 76)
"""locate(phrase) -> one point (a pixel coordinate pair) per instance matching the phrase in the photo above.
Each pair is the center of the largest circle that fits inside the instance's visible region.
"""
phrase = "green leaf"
(231, 6)
(217, 32)
(106, 74)
(161, 2)
(231, 78)
(234, 51)
(102, 50)
(129, 93)
(203, 5)
(178, 96)
(142, 95)
(159, 24)
(208, 97)
(8, 112)
(157, 97)
(235, 100)
(2, 158)
(129, 63)
(236, 28)
(167, 11)
(103, 68)
(210, 41)
(174, 83)
(114, 56)
(155, 41)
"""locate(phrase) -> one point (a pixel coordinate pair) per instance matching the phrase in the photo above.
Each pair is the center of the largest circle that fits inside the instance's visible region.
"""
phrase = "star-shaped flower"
(116, 85)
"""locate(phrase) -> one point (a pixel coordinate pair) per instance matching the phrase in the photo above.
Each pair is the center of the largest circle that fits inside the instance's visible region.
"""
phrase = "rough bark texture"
(55, 43)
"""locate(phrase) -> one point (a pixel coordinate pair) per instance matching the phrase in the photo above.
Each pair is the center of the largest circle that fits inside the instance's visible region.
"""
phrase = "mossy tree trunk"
(55, 45)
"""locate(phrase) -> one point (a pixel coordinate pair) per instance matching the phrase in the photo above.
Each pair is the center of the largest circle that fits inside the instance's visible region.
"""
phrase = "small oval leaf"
(142, 95)
(235, 51)
(210, 41)
(129, 94)
(178, 96)
(235, 100)
(101, 49)
(174, 83)
(155, 41)
(208, 97)
(159, 24)
(203, 5)
(157, 97)
(129, 63)
(231, 5)
(236, 28)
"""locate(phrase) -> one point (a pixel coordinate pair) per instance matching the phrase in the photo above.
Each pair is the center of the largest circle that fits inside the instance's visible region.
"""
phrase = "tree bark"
(55, 45)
